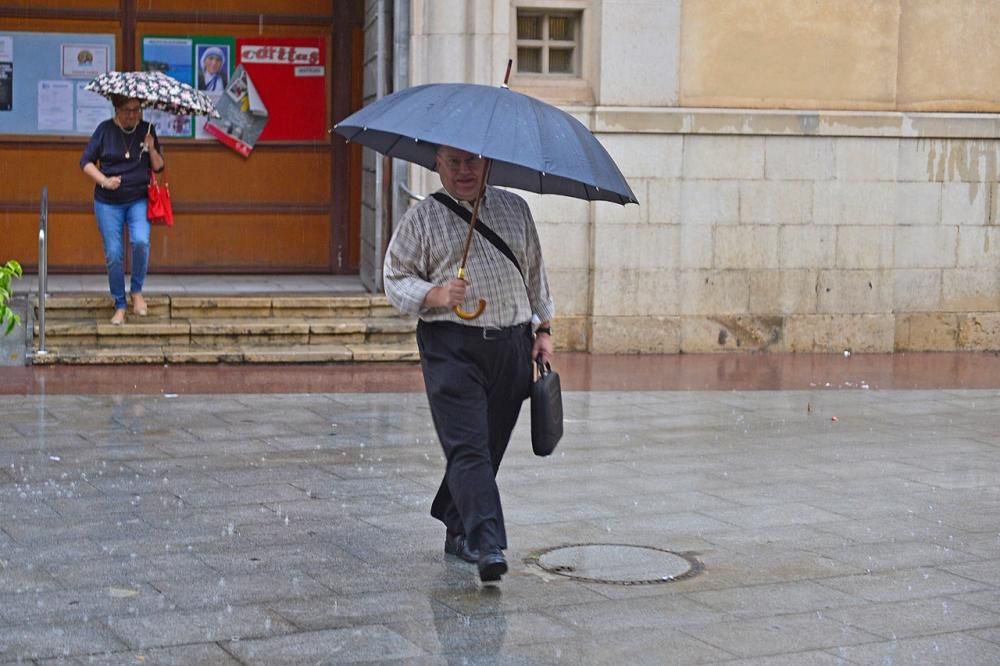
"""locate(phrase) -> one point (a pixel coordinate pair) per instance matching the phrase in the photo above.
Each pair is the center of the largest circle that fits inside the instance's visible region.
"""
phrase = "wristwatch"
(547, 330)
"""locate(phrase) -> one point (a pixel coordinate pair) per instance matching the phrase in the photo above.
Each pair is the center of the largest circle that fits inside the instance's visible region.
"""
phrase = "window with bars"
(548, 42)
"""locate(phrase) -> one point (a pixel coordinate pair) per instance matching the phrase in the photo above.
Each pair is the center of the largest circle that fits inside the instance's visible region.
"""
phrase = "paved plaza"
(843, 523)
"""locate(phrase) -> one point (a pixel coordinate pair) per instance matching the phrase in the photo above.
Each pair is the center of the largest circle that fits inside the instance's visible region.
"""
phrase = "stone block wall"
(873, 241)
(806, 181)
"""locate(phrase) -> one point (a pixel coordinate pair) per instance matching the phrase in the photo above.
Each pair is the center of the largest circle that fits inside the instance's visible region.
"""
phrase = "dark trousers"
(476, 381)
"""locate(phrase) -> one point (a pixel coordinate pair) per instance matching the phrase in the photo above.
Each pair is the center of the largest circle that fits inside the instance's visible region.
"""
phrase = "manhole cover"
(617, 563)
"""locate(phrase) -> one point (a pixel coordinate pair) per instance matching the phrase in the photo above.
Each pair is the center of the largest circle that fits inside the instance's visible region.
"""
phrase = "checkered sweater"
(426, 249)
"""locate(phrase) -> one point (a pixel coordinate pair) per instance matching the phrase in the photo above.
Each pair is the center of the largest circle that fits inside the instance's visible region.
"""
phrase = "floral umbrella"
(155, 90)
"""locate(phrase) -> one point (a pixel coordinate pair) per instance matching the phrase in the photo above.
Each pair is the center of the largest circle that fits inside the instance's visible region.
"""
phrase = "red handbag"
(159, 210)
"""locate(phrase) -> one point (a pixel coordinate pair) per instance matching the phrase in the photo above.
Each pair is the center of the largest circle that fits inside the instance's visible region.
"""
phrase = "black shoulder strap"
(488, 233)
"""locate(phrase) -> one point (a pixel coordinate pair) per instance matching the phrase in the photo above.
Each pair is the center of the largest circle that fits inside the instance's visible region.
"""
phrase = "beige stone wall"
(907, 55)
(949, 55)
(862, 234)
(804, 184)
(833, 54)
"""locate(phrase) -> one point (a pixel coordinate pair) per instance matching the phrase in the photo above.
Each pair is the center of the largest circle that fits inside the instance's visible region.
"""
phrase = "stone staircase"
(242, 328)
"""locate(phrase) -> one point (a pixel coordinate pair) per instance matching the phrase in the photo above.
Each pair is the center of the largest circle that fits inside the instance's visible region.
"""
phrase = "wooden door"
(290, 207)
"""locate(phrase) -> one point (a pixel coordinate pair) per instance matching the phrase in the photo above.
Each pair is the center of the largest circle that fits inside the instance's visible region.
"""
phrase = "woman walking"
(118, 158)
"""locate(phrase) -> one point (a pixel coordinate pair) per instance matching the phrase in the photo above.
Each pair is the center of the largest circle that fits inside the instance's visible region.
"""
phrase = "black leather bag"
(546, 410)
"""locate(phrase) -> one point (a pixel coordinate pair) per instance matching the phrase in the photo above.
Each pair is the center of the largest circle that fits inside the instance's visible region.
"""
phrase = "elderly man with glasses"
(477, 372)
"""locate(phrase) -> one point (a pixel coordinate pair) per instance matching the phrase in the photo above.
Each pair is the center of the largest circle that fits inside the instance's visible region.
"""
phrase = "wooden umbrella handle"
(462, 314)
(468, 316)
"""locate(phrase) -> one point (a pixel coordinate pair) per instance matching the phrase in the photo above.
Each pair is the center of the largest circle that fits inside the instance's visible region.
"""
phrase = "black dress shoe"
(455, 544)
(492, 565)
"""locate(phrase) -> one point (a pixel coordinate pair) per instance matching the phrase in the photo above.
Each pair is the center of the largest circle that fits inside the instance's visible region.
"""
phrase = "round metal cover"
(620, 564)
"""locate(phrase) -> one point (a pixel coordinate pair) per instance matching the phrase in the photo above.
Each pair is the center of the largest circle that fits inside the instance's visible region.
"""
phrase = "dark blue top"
(107, 148)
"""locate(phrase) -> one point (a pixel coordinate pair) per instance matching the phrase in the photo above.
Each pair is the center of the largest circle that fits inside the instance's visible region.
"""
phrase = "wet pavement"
(837, 510)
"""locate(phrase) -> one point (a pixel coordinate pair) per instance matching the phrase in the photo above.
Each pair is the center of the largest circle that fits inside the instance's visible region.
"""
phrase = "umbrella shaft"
(475, 215)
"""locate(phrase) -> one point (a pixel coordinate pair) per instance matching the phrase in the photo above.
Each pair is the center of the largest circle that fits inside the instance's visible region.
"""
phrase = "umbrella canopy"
(534, 146)
(155, 90)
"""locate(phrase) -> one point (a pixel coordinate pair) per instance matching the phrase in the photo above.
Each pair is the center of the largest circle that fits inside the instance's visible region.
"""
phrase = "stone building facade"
(813, 176)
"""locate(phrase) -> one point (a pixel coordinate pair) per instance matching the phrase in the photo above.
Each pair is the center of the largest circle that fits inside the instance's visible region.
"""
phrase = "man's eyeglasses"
(454, 164)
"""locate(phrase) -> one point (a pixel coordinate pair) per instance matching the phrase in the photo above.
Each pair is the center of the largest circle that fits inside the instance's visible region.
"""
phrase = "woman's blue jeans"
(112, 220)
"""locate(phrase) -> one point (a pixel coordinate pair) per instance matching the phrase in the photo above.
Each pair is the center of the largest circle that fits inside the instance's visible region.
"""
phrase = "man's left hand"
(543, 347)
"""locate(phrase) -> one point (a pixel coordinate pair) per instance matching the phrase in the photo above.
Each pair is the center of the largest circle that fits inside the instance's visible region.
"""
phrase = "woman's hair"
(119, 100)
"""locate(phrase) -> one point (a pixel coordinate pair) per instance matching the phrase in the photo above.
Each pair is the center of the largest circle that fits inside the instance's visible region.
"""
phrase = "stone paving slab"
(293, 528)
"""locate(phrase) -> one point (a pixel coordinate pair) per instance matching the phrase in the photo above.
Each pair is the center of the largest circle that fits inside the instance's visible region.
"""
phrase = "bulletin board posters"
(84, 60)
(214, 61)
(6, 85)
(6, 73)
(172, 56)
(289, 74)
(203, 61)
(242, 114)
(40, 75)
(91, 109)
(55, 106)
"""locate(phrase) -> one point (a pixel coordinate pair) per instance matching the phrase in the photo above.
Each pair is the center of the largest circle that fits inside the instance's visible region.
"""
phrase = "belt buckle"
(490, 333)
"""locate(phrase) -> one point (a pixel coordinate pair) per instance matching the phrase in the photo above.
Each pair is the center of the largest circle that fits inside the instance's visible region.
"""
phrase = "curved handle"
(462, 314)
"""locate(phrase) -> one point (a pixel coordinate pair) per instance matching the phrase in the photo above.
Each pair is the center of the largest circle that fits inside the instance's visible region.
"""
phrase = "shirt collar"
(468, 205)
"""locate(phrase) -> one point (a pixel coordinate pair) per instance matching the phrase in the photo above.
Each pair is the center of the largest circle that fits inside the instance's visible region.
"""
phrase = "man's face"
(213, 64)
(461, 172)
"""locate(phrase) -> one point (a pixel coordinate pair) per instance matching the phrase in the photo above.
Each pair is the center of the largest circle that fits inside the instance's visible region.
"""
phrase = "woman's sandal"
(139, 307)
(119, 318)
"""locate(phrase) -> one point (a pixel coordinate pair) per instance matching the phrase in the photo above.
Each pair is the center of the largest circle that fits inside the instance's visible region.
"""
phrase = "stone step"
(74, 305)
(156, 354)
(150, 331)
(242, 328)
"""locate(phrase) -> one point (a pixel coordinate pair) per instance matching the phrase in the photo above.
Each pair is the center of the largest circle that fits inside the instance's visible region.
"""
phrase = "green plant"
(8, 272)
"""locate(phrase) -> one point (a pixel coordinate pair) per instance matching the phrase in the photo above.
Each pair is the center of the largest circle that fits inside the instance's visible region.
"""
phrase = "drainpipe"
(380, 175)
(400, 80)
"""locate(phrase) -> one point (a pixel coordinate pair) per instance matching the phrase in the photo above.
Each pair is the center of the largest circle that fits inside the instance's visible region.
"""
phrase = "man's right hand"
(447, 295)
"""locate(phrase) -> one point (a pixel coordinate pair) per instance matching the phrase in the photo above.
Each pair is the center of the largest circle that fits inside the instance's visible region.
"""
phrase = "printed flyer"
(243, 115)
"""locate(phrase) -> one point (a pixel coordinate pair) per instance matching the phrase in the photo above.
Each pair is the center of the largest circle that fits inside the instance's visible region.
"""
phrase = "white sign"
(91, 109)
(55, 105)
(84, 60)
(310, 71)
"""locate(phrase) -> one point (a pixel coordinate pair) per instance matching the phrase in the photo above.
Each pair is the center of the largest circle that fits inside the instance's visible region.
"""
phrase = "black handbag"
(546, 410)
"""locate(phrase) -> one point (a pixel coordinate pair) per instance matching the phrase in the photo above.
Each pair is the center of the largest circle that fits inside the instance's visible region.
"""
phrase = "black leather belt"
(484, 332)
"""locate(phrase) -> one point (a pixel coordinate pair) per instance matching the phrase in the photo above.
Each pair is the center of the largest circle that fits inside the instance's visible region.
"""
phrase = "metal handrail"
(410, 193)
(43, 268)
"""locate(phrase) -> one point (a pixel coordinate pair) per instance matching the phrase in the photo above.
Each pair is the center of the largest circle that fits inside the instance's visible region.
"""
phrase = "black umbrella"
(530, 145)
(534, 146)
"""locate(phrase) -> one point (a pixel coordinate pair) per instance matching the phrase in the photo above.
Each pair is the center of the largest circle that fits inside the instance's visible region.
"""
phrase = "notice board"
(42, 76)
(289, 74)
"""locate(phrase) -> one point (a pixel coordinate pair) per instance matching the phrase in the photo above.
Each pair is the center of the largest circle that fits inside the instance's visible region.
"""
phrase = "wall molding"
(756, 122)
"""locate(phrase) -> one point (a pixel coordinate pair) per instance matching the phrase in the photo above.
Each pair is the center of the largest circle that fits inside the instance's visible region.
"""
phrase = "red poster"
(290, 76)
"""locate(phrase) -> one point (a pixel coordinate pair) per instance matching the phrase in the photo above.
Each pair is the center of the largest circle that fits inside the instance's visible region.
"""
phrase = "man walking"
(477, 373)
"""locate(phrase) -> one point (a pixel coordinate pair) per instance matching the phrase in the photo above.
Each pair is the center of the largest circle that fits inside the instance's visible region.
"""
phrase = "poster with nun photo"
(213, 62)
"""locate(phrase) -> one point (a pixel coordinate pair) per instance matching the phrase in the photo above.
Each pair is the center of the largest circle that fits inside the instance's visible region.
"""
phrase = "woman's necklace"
(128, 148)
